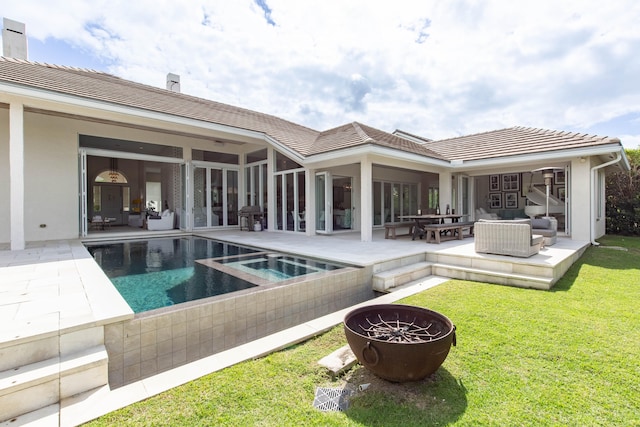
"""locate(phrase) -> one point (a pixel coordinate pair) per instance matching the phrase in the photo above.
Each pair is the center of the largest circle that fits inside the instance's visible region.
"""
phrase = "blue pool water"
(156, 273)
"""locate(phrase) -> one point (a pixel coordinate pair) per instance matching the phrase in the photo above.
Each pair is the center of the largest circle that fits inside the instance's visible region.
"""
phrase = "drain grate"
(331, 399)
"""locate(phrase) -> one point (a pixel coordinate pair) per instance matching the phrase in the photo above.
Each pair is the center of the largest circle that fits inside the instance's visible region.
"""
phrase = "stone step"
(492, 276)
(28, 388)
(27, 347)
(49, 416)
(385, 280)
(497, 263)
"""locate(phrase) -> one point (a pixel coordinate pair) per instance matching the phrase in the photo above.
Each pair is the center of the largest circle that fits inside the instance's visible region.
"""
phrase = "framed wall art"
(495, 200)
(561, 193)
(494, 182)
(511, 200)
(511, 182)
(558, 177)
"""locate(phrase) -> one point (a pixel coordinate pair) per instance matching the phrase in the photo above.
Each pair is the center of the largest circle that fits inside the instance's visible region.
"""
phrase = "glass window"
(126, 191)
(216, 192)
(111, 176)
(125, 146)
(257, 156)
(279, 195)
(283, 163)
(154, 195)
(199, 197)
(377, 203)
(97, 198)
(434, 197)
(232, 197)
(215, 157)
(301, 218)
(393, 200)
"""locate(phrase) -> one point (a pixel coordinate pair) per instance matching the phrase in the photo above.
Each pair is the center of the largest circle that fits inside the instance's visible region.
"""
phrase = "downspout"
(593, 195)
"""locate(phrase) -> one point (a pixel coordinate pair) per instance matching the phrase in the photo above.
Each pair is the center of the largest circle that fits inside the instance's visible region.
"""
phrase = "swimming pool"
(267, 292)
(155, 273)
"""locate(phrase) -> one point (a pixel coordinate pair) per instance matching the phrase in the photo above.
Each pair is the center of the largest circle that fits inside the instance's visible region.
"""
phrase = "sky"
(433, 68)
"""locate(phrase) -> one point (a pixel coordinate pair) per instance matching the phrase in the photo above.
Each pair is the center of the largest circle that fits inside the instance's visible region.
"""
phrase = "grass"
(568, 356)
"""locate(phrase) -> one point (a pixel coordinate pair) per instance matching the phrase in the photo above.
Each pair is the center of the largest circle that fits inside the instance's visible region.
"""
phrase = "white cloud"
(630, 141)
(437, 68)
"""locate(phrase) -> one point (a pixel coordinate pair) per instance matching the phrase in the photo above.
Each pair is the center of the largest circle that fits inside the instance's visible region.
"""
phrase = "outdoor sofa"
(545, 228)
(506, 237)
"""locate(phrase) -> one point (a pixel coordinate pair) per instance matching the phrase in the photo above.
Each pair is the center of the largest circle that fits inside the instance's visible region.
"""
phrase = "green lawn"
(565, 357)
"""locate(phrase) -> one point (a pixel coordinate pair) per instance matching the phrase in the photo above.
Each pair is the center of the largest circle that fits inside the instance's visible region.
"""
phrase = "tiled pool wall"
(163, 339)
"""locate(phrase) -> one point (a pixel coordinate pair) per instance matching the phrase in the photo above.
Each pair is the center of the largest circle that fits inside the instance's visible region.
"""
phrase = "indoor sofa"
(163, 222)
(506, 237)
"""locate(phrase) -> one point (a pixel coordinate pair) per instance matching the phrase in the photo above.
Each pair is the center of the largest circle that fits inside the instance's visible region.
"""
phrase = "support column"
(310, 202)
(16, 175)
(271, 190)
(366, 202)
(445, 186)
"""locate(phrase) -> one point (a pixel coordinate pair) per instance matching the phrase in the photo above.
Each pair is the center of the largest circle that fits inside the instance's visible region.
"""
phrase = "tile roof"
(512, 142)
(100, 86)
(105, 87)
(355, 134)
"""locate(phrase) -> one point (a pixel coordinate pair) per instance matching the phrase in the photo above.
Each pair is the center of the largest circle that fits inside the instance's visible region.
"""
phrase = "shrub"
(623, 198)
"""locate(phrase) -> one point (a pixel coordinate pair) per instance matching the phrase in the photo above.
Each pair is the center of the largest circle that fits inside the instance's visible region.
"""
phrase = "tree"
(623, 198)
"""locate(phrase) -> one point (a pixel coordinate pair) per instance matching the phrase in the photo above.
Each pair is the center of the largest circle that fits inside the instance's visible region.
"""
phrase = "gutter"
(550, 156)
(593, 194)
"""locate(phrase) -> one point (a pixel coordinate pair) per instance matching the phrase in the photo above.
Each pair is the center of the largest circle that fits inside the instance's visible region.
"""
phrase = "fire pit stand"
(399, 342)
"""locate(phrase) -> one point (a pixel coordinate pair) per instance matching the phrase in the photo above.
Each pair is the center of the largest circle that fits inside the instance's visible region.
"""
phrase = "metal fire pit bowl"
(399, 342)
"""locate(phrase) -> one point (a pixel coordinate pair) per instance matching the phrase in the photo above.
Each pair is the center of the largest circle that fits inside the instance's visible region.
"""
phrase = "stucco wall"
(5, 227)
(51, 179)
(580, 197)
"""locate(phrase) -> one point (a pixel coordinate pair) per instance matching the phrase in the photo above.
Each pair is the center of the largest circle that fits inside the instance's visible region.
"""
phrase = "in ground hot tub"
(399, 342)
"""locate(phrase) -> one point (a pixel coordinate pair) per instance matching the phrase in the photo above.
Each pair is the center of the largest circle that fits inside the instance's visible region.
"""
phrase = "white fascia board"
(557, 156)
(370, 149)
(77, 101)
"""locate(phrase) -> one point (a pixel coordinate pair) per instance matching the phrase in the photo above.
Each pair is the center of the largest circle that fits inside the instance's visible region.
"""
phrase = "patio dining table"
(421, 220)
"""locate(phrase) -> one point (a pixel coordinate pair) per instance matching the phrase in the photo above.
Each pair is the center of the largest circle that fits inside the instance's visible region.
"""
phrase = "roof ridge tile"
(365, 137)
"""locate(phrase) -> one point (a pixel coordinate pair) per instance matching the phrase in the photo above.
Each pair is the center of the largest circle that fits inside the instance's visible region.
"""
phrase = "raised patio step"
(385, 280)
(28, 388)
(491, 276)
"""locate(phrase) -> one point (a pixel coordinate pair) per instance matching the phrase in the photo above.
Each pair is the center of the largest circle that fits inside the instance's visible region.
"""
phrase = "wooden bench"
(438, 232)
(390, 229)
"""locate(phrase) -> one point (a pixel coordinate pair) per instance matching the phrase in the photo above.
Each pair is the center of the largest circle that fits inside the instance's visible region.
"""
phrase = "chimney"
(14, 39)
(173, 82)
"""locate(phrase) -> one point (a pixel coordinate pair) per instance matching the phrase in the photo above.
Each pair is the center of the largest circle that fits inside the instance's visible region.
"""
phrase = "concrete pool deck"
(56, 290)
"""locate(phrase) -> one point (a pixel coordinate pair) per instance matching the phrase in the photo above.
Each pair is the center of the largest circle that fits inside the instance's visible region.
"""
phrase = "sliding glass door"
(290, 201)
(324, 203)
(392, 200)
(215, 197)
